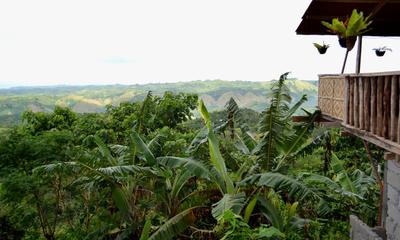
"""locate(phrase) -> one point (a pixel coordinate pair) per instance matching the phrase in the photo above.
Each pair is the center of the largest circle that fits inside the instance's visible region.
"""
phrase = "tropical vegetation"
(148, 170)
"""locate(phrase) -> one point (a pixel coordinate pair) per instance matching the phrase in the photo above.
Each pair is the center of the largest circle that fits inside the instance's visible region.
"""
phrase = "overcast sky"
(50, 42)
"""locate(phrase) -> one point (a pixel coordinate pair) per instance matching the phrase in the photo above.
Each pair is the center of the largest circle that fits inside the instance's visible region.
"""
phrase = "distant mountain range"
(215, 93)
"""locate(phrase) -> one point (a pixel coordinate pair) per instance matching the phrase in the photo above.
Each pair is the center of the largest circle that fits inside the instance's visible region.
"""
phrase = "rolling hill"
(215, 93)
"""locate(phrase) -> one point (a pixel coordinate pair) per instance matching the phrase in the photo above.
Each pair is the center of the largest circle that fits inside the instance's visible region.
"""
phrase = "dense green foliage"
(146, 170)
(92, 99)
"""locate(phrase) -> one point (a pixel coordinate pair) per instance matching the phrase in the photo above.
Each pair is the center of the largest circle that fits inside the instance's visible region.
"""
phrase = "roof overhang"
(386, 16)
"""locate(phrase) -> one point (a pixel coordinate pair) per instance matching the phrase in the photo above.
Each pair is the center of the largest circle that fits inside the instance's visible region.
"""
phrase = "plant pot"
(322, 50)
(347, 42)
(342, 42)
(379, 53)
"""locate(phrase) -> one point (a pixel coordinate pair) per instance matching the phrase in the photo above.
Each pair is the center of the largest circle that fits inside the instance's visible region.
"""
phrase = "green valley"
(83, 99)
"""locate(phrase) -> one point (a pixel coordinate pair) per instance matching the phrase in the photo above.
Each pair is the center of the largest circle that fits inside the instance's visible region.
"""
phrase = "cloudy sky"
(52, 42)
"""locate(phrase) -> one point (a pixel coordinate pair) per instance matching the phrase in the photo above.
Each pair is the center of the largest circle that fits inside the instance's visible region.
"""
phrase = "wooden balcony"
(366, 105)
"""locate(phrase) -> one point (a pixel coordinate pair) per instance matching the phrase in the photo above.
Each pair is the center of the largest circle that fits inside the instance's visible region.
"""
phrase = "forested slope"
(82, 99)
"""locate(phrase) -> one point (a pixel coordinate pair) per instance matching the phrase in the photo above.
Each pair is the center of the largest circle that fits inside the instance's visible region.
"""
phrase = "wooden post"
(373, 105)
(356, 103)
(386, 107)
(361, 100)
(398, 118)
(351, 100)
(394, 109)
(367, 103)
(346, 100)
(379, 105)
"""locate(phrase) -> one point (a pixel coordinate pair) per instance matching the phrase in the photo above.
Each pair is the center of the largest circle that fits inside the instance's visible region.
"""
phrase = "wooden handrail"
(367, 105)
(372, 104)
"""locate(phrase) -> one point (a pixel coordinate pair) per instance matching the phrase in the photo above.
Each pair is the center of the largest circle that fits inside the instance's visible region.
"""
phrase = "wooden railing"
(370, 107)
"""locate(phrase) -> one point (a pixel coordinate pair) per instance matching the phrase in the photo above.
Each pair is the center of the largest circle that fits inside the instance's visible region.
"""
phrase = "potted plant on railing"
(349, 29)
(381, 51)
(321, 48)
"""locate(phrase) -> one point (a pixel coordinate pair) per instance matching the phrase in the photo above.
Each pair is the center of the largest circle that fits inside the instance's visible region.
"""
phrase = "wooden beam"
(378, 141)
(389, 156)
(378, 7)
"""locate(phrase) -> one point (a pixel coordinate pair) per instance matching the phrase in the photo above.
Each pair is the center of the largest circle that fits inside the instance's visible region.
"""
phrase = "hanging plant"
(321, 48)
(381, 51)
(348, 30)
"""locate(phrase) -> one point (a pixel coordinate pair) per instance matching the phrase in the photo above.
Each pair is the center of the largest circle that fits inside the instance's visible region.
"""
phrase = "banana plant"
(279, 137)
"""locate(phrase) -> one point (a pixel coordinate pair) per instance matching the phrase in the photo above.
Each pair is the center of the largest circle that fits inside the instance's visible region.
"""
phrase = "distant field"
(215, 93)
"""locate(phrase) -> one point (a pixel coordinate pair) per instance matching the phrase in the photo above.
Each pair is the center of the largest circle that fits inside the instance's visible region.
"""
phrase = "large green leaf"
(341, 174)
(122, 170)
(215, 154)
(200, 138)
(142, 147)
(249, 209)
(104, 150)
(272, 213)
(196, 167)
(179, 181)
(295, 188)
(234, 202)
(146, 230)
(175, 225)
(120, 199)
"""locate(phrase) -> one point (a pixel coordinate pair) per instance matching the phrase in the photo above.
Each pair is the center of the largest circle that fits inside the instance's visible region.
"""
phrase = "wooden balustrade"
(368, 107)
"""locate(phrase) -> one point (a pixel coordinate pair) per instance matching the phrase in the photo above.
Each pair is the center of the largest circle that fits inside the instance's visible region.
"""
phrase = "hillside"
(215, 93)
